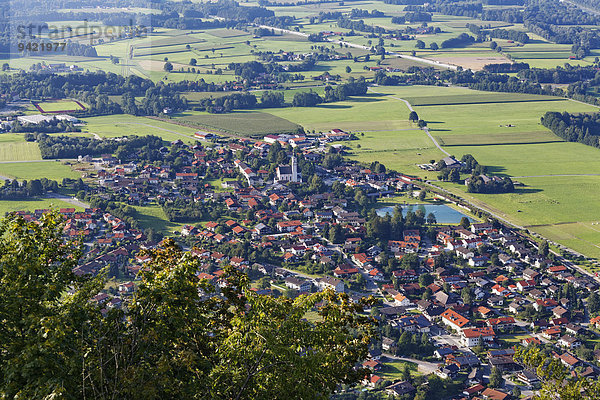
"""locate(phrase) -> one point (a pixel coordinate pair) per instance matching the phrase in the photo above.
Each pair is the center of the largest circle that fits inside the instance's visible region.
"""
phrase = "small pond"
(443, 213)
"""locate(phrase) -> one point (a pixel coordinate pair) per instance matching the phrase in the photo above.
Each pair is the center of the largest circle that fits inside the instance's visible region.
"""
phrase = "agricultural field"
(245, 123)
(13, 147)
(152, 216)
(35, 170)
(123, 125)
(33, 204)
(372, 112)
(59, 106)
(19, 151)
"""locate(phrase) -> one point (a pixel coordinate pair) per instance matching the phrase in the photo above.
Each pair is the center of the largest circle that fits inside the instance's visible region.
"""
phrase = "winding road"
(425, 129)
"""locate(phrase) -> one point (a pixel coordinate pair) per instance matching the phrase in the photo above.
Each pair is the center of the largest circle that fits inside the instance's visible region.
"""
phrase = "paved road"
(425, 129)
(66, 199)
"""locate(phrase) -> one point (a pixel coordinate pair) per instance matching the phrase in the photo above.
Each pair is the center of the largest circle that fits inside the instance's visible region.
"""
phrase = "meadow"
(244, 123)
(35, 170)
(33, 204)
(152, 216)
(123, 125)
(56, 106)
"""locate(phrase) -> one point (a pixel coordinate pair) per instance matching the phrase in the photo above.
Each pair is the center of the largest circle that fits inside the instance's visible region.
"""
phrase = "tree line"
(74, 146)
(581, 128)
(271, 99)
(15, 190)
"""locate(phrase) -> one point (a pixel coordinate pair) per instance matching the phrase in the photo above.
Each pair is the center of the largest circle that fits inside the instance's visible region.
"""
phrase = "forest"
(74, 146)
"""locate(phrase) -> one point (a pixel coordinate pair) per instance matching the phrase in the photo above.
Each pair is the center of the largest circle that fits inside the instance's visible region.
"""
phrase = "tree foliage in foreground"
(557, 382)
(176, 339)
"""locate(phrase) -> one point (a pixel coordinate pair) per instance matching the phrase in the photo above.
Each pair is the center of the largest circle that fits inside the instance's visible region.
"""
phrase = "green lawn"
(59, 105)
(392, 371)
(35, 170)
(153, 216)
(246, 123)
(123, 125)
(18, 150)
(33, 204)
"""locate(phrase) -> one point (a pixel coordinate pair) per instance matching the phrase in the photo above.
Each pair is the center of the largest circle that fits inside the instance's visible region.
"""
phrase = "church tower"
(294, 170)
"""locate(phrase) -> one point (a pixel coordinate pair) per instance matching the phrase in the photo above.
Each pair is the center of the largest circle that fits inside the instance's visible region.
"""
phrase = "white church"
(288, 173)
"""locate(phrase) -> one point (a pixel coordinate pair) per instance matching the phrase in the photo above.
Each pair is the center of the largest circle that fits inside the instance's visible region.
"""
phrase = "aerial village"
(289, 210)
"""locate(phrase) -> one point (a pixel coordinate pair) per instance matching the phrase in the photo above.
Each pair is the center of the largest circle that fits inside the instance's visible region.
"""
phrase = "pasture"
(33, 204)
(59, 106)
(19, 151)
(245, 123)
(35, 170)
(123, 125)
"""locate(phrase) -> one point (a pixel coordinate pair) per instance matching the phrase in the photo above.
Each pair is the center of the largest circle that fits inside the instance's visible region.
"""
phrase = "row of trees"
(508, 34)
(74, 146)
(269, 99)
(94, 88)
(15, 190)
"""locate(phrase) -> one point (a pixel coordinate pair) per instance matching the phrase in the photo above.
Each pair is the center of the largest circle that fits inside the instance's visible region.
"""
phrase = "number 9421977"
(41, 47)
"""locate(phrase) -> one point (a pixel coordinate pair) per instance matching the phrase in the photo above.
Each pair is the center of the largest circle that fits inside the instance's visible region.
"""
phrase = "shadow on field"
(495, 169)
(334, 106)
(522, 190)
(439, 130)
(365, 99)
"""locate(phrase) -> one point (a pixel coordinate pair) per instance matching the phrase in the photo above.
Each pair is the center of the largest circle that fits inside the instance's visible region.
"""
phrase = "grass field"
(123, 125)
(393, 370)
(35, 170)
(153, 216)
(477, 98)
(59, 106)
(247, 123)
(19, 151)
(33, 204)
(365, 113)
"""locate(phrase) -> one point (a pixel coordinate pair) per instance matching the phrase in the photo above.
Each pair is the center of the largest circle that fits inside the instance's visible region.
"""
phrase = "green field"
(477, 98)
(59, 106)
(13, 147)
(123, 125)
(153, 216)
(392, 371)
(33, 204)
(246, 123)
(35, 170)
(373, 112)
